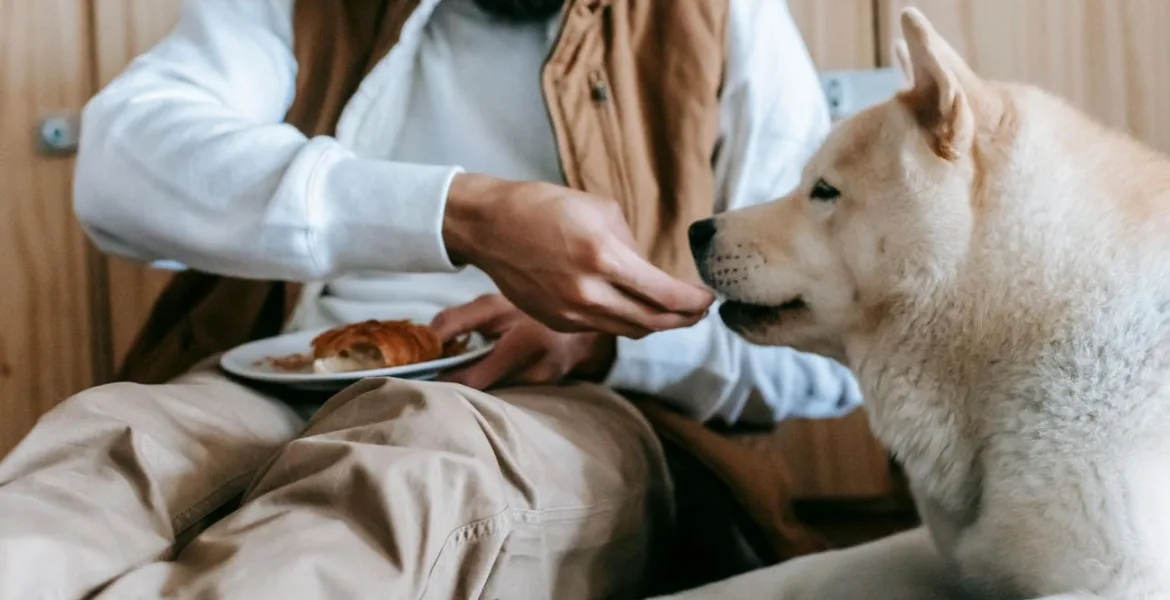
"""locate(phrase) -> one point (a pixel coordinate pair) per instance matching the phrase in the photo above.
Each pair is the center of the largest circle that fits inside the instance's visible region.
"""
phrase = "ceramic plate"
(250, 361)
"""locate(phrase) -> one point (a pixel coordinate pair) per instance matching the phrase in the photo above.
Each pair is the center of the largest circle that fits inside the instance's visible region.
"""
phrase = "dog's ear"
(943, 86)
(902, 57)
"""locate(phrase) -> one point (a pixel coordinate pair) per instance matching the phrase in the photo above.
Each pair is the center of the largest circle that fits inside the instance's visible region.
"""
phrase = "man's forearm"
(260, 201)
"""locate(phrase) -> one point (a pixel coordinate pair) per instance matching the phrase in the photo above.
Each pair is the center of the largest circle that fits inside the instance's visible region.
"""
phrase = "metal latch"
(57, 134)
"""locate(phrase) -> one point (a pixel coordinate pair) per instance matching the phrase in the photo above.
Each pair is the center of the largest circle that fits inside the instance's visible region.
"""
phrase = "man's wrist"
(463, 220)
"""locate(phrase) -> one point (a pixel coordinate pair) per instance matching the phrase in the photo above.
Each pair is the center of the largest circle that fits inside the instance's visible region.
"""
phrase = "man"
(587, 135)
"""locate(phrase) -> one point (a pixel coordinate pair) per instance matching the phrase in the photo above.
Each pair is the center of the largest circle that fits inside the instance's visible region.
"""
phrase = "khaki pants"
(392, 490)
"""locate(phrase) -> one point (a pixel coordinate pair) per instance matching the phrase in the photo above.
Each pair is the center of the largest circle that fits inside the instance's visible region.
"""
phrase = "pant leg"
(425, 490)
(107, 480)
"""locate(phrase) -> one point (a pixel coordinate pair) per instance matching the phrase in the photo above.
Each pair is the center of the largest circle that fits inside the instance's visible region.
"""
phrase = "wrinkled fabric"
(393, 490)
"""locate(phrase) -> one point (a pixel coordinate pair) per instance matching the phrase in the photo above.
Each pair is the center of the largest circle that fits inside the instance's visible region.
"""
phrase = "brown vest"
(632, 88)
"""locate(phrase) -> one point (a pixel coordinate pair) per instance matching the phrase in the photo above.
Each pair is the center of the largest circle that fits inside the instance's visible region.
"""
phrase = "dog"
(994, 267)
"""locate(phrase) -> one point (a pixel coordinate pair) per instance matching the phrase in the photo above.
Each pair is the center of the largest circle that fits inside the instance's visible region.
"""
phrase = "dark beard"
(521, 11)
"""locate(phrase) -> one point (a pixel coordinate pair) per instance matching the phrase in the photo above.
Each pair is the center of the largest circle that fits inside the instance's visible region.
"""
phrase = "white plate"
(248, 361)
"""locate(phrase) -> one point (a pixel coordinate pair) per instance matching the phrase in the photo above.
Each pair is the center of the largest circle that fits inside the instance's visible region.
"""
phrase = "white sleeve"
(774, 116)
(184, 157)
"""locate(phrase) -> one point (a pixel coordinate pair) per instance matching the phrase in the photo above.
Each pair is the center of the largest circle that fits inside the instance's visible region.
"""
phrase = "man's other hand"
(526, 352)
(564, 257)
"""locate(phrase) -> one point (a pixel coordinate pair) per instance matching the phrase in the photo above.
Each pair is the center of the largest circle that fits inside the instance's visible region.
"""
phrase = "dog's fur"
(996, 272)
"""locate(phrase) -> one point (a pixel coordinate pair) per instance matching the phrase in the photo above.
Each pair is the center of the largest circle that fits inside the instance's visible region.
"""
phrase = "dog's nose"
(700, 235)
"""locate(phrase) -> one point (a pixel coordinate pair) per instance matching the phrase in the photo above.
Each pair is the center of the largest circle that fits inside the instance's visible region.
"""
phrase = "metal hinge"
(57, 134)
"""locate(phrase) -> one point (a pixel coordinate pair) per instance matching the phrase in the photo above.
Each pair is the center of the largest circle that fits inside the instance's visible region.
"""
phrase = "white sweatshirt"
(184, 157)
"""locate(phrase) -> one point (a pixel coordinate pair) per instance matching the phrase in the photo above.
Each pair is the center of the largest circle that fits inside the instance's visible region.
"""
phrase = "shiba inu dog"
(995, 269)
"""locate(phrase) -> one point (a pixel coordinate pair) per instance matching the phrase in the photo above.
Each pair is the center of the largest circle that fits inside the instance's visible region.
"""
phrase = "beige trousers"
(392, 490)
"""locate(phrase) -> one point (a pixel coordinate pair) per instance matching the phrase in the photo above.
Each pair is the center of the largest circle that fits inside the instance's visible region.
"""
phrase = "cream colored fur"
(996, 271)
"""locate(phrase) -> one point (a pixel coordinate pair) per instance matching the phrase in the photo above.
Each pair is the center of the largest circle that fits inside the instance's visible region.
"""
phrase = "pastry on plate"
(378, 345)
(368, 345)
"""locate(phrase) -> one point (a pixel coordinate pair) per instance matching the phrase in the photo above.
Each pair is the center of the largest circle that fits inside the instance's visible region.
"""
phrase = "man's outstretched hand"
(526, 352)
(564, 257)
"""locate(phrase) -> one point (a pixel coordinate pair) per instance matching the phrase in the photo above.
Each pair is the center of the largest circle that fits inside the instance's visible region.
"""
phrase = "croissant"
(376, 345)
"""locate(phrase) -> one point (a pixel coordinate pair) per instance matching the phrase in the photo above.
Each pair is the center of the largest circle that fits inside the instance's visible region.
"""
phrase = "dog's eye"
(824, 191)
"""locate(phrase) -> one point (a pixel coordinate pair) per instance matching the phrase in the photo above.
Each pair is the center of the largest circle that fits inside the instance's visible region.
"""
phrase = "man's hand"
(565, 257)
(526, 352)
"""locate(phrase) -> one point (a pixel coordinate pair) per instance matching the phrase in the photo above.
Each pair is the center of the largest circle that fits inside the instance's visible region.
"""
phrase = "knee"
(528, 437)
(130, 410)
(394, 412)
(390, 434)
(90, 419)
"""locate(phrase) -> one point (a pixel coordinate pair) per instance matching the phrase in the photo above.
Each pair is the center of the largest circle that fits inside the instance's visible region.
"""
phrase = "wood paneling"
(836, 458)
(839, 33)
(124, 29)
(46, 338)
(1108, 57)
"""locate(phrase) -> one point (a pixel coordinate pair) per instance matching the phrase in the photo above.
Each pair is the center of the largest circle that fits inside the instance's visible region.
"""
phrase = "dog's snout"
(700, 235)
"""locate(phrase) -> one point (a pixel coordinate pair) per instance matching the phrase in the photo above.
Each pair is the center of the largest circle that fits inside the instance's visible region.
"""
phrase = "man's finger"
(598, 318)
(607, 323)
(654, 321)
(616, 309)
(511, 354)
(653, 286)
(481, 314)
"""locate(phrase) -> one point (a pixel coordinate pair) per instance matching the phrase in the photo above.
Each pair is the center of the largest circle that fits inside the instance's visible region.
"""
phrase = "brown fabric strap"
(336, 43)
(199, 315)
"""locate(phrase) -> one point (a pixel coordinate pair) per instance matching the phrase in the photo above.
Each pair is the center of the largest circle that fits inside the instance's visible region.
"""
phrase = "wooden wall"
(47, 326)
(1110, 58)
(67, 316)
